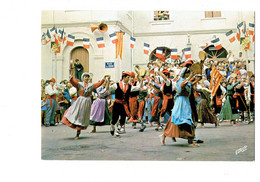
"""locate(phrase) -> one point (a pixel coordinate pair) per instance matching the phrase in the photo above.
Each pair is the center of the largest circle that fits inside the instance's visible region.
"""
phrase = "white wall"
(171, 34)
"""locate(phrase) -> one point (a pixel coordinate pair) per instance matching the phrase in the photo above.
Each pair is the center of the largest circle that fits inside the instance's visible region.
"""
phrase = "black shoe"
(142, 128)
(198, 141)
(173, 138)
(112, 130)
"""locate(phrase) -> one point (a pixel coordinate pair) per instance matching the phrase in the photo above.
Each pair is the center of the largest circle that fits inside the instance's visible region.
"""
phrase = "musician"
(51, 93)
(241, 102)
(120, 107)
(133, 104)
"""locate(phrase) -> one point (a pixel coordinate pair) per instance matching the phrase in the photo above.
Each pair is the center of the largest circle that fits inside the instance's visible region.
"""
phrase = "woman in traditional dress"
(205, 114)
(181, 124)
(229, 110)
(100, 114)
(78, 114)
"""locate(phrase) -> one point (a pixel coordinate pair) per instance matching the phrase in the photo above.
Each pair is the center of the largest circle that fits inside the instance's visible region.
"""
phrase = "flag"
(174, 54)
(239, 30)
(230, 36)
(217, 43)
(245, 43)
(146, 48)
(48, 37)
(113, 38)
(251, 29)
(216, 78)
(187, 53)
(43, 39)
(70, 40)
(159, 52)
(64, 37)
(100, 42)
(203, 46)
(119, 44)
(132, 42)
(85, 43)
(60, 35)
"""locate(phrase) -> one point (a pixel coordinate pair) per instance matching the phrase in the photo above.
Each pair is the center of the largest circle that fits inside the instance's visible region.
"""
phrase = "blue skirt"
(181, 112)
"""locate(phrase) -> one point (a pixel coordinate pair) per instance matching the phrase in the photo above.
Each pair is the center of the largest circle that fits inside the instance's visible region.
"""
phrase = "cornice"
(191, 32)
(88, 24)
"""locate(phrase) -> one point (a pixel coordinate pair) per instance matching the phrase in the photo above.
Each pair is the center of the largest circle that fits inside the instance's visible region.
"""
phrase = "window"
(161, 15)
(212, 14)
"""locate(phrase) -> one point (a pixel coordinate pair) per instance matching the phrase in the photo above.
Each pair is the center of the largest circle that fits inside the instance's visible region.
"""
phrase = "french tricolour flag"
(100, 42)
(230, 36)
(70, 40)
(48, 36)
(85, 43)
(251, 29)
(113, 38)
(174, 54)
(187, 52)
(146, 48)
(203, 46)
(217, 43)
(132, 42)
(159, 52)
(53, 33)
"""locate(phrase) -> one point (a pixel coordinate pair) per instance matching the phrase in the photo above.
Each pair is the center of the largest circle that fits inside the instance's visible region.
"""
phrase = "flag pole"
(132, 50)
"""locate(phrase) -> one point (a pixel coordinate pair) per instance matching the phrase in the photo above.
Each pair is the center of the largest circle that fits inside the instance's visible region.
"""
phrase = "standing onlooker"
(78, 69)
(51, 93)
(43, 110)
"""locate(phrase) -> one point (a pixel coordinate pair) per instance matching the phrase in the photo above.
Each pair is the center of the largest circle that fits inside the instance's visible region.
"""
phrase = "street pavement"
(224, 143)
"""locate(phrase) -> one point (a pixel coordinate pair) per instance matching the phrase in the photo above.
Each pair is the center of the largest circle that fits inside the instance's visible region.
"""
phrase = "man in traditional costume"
(51, 93)
(133, 104)
(120, 108)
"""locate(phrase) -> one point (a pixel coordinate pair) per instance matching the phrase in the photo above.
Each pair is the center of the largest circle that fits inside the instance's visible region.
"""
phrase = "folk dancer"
(120, 107)
(78, 114)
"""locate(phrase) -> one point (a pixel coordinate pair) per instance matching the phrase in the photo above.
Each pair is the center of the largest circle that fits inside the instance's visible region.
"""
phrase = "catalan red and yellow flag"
(216, 78)
(119, 44)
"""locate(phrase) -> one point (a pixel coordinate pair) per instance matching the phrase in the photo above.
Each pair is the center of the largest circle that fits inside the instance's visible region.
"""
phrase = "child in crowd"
(43, 110)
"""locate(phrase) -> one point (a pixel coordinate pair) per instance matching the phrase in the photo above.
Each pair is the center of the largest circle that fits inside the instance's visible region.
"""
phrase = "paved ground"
(225, 143)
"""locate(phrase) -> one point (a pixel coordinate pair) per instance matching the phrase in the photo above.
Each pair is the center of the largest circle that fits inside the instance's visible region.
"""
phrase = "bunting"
(132, 42)
(100, 42)
(71, 39)
(187, 53)
(113, 38)
(86, 43)
(146, 48)
(217, 43)
(174, 54)
(230, 36)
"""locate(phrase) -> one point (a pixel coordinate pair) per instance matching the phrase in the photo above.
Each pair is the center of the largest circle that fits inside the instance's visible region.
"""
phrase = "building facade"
(173, 29)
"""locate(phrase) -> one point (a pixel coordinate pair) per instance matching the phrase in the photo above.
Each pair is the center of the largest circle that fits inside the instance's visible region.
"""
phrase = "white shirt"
(133, 88)
(51, 90)
(72, 91)
(168, 82)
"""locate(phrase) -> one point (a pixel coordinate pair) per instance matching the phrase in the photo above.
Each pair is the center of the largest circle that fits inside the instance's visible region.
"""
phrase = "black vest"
(167, 89)
(252, 89)
(119, 94)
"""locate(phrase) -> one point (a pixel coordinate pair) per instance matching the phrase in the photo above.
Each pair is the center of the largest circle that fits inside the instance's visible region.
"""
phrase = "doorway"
(83, 56)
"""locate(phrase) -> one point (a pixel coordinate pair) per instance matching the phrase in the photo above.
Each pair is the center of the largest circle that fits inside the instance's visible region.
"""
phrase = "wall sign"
(109, 64)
